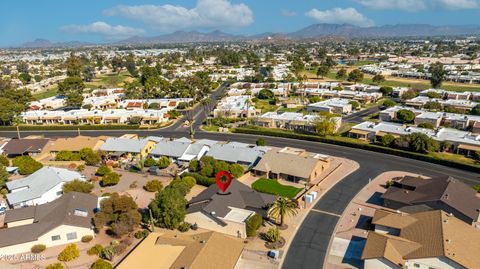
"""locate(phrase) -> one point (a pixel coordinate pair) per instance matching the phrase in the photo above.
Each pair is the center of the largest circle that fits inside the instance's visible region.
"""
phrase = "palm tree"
(206, 107)
(281, 208)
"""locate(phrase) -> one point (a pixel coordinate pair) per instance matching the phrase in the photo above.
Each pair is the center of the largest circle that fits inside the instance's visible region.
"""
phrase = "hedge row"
(69, 127)
(364, 146)
(201, 180)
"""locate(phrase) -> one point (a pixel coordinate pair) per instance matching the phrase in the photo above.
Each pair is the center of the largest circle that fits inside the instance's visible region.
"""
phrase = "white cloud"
(288, 13)
(207, 14)
(417, 5)
(408, 5)
(104, 29)
(340, 15)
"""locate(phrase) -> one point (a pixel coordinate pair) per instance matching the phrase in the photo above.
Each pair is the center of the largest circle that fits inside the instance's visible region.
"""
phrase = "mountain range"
(312, 31)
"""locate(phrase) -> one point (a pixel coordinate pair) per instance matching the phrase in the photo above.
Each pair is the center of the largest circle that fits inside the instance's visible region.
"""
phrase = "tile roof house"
(441, 193)
(65, 220)
(292, 164)
(24, 146)
(432, 239)
(43, 186)
(227, 212)
(240, 153)
(178, 250)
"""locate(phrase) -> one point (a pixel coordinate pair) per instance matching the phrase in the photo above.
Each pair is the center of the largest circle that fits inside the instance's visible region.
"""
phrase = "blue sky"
(108, 20)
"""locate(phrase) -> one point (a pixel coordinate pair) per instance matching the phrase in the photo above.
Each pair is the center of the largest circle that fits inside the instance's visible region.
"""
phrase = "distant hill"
(44, 43)
(184, 37)
(313, 31)
(398, 30)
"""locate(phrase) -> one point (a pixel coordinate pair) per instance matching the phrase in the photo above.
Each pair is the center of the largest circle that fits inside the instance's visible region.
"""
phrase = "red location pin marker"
(223, 179)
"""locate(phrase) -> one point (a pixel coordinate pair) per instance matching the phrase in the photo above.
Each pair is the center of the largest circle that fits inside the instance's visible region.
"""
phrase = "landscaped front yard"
(272, 186)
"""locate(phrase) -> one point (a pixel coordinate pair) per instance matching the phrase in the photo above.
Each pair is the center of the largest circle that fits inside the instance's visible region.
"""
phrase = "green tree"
(322, 71)
(378, 79)
(438, 74)
(324, 125)
(386, 90)
(355, 104)
(89, 156)
(193, 166)
(432, 94)
(168, 208)
(405, 116)
(119, 212)
(476, 110)
(252, 224)
(135, 120)
(69, 253)
(387, 140)
(78, 186)
(4, 160)
(131, 66)
(265, 94)
(409, 94)
(355, 76)
(341, 74)
(260, 142)
(281, 208)
(420, 142)
(164, 162)
(433, 105)
(71, 84)
(149, 162)
(74, 66)
(26, 165)
(236, 170)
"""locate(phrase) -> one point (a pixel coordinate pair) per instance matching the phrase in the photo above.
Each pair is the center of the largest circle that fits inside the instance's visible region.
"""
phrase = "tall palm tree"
(282, 207)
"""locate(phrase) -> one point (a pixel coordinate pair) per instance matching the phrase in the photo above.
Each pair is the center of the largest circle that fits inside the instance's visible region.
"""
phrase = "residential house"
(292, 121)
(65, 220)
(334, 105)
(177, 250)
(24, 146)
(433, 239)
(227, 212)
(243, 154)
(74, 144)
(440, 193)
(43, 186)
(179, 150)
(129, 148)
(292, 164)
(236, 107)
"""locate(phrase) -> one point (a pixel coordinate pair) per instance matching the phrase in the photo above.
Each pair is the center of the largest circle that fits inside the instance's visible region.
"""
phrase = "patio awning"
(469, 147)
(117, 153)
(360, 132)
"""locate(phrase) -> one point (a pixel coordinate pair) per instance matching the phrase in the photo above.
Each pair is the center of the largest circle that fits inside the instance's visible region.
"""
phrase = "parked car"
(3, 208)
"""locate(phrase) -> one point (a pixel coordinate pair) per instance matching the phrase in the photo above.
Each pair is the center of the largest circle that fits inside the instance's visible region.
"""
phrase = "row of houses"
(444, 94)
(461, 141)
(334, 105)
(85, 116)
(427, 223)
(360, 96)
(293, 121)
(459, 104)
(436, 119)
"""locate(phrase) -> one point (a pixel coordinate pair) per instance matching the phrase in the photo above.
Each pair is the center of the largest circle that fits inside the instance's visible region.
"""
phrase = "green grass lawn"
(109, 80)
(272, 186)
(49, 93)
(454, 157)
(211, 128)
(264, 106)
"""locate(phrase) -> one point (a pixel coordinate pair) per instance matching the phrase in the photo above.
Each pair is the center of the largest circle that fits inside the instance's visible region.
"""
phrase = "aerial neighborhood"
(163, 142)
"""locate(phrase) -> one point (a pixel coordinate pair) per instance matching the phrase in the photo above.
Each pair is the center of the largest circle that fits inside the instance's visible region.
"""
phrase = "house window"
(55, 237)
(72, 236)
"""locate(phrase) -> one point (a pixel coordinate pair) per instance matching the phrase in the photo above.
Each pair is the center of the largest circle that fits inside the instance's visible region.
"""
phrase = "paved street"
(309, 246)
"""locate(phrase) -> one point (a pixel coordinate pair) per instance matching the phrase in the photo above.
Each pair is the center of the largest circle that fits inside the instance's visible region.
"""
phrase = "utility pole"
(78, 131)
(18, 132)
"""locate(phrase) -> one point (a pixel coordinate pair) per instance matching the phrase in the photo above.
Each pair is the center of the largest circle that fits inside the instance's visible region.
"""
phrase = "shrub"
(120, 248)
(252, 224)
(260, 142)
(141, 234)
(389, 103)
(477, 188)
(80, 168)
(56, 265)
(87, 238)
(265, 94)
(190, 181)
(164, 162)
(200, 179)
(426, 125)
(103, 170)
(67, 156)
(149, 162)
(236, 170)
(89, 156)
(95, 250)
(78, 186)
(38, 248)
(184, 227)
(108, 253)
(69, 253)
(101, 264)
(153, 185)
(272, 235)
(26, 165)
(110, 179)
(193, 166)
